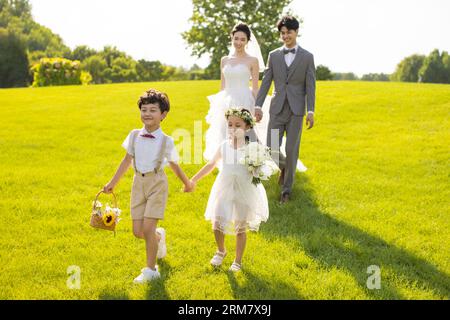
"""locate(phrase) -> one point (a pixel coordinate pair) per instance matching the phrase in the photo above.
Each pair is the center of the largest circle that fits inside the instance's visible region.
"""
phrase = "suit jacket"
(297, 83)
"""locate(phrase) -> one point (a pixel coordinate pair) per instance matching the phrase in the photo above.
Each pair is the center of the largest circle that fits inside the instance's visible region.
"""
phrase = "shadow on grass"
(157, 288)
(257, 288)
(113, 295)
(333, 243)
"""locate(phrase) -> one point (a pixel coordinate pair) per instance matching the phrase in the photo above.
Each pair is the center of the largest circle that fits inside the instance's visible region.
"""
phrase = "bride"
(243, 64)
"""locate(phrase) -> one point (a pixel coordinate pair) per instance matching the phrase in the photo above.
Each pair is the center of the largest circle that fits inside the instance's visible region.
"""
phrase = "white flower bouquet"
(258, 161)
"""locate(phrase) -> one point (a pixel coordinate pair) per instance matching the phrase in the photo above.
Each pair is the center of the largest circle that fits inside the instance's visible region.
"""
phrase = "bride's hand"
(258, 114)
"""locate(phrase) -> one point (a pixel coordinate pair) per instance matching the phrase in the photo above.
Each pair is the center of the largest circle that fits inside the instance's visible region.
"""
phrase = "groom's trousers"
(285, 121)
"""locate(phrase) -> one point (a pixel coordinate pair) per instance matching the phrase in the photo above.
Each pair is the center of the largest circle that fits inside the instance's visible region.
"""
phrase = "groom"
(293, 72)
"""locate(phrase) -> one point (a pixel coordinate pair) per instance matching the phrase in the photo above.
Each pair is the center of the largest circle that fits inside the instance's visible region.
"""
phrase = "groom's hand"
(310, 120)
(258, 114)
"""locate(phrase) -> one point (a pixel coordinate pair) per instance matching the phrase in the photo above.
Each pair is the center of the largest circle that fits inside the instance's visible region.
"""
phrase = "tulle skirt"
(236, 205)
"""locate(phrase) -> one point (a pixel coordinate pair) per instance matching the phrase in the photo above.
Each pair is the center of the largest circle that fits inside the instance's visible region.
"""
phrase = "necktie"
(286, 51)
(148, 136)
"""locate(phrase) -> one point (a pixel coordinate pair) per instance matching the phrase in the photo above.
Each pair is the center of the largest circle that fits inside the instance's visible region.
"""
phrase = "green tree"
(15, 15)
(17, 8)
(14, 68)
(213, 20)
(81, 53)
(168, 72)
(96, 66)
(446, 63)
(323, 73)
(123, 70)
(408, 69)
(197, 73)
(349, 76)
(43, 39)
(433, 69)
(149, 70)
(375, 77)
(110, 53)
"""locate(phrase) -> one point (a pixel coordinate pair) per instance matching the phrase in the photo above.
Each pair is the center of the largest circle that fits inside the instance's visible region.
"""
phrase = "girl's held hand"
(189, 187)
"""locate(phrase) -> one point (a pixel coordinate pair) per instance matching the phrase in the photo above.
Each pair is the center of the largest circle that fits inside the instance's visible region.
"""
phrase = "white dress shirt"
(147, 150)
(289, 57)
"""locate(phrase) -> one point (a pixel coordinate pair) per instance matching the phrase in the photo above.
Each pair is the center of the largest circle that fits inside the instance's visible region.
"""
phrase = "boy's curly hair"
(153, 96)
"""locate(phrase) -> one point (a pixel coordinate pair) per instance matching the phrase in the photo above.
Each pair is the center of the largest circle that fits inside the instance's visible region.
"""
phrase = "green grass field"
(376, 193)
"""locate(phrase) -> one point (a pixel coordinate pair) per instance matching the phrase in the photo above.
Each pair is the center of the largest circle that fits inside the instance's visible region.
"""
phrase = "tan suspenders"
(161, 154)
(162, 151)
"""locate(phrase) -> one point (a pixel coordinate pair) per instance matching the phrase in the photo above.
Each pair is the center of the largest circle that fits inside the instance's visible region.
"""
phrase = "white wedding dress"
(236, 93)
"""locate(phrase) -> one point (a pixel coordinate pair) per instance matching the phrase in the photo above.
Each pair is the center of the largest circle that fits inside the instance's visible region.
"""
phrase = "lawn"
(376, 193)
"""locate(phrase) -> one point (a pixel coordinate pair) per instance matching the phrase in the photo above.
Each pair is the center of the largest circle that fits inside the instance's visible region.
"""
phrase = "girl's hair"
(243, 28)
(242, 113)
(153, 96)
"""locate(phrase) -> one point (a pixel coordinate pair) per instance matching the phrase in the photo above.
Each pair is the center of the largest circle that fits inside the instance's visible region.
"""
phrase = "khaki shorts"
(149, 195)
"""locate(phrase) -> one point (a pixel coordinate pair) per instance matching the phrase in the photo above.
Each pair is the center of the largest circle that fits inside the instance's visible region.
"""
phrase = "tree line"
(434, 68)
(31, 54)
(25, 44)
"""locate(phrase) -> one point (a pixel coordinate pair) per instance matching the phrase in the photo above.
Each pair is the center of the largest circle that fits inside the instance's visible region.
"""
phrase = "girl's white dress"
(236, 93)
(235, 204)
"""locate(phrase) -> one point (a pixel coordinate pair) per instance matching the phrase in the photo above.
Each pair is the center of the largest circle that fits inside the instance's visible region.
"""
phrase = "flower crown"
(244, 114)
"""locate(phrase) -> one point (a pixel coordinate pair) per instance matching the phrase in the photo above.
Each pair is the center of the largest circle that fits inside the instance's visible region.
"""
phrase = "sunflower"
(109, 218)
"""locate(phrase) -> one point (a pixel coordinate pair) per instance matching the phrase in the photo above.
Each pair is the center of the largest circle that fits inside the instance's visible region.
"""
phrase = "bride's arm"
(254, 68)
(222, 78)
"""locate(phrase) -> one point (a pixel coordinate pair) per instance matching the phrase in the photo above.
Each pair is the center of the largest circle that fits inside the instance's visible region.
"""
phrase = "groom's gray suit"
(294, 92)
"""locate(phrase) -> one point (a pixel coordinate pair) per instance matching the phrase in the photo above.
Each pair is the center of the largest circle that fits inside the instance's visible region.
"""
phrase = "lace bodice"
(236, 76)
(230, 161)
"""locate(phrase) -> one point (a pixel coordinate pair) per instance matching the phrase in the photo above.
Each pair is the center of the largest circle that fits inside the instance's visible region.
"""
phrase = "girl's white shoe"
(235, 267)
(217, 260)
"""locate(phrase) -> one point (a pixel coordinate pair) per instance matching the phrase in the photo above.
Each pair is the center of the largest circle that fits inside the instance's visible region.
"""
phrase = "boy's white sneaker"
(147, 275)
(162, 248)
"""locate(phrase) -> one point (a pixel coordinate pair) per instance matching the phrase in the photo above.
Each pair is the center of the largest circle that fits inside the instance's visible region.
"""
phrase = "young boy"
(149, 150)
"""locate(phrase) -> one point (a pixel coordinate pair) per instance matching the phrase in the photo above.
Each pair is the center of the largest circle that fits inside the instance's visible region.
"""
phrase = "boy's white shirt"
(147, 150)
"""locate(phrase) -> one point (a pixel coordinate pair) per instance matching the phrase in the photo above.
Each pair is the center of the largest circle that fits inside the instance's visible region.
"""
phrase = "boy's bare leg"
(138, 227)
(151, 241)
(146, 229)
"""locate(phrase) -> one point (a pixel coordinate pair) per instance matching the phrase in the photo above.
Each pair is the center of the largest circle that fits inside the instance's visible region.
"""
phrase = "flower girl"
(236, 203)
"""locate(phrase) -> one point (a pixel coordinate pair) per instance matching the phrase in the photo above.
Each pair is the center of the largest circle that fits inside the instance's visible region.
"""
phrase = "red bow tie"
(148, 136)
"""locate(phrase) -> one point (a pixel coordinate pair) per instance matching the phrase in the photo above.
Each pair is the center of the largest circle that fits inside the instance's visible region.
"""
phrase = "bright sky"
(360, 36)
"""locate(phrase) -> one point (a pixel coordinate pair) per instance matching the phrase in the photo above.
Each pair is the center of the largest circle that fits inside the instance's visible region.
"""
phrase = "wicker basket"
(97, 221)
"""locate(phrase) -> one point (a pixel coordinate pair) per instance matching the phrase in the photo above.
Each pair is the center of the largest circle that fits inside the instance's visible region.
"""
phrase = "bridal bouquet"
(258, 161)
